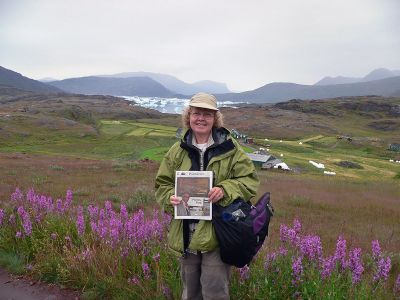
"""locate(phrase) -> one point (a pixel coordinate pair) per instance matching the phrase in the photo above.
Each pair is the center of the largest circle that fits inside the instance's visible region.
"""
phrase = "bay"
(169, 105)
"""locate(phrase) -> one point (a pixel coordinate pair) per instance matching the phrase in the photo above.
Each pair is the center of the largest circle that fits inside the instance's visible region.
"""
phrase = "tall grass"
(113, 254)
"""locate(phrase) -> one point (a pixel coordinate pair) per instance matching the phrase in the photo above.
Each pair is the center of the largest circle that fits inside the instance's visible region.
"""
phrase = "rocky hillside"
(16, 80)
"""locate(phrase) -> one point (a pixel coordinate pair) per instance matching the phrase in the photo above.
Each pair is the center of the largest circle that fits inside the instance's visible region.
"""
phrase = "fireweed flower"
(383, 268)
(123, 213)
(68, 199)
(297, 270)
(146, 270)
(282, 251)
(17, 195)
(26, 221)
(156, 257)
(18, 234)
(1, 216)
(396, 288)
(59, 206)
(311, 247)
(283, 232)
(53, 236)
(166, 291)
(340, 252)
(297, 225)
(244, 274)
(93, 212)
(376, 250)
(30, 196)
(80, 221)
(355, 265)
(134, 280)
(108, 207)
(327, 266)
(269, 259)
(11, 219)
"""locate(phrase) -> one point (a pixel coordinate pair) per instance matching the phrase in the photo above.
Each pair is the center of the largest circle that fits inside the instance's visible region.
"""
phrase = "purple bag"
(241, 229)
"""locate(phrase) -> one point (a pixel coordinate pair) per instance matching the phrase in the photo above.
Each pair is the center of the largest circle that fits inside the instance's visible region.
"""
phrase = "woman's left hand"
(216, 194)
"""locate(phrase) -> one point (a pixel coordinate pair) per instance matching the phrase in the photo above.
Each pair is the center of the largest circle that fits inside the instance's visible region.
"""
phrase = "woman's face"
(201, 120)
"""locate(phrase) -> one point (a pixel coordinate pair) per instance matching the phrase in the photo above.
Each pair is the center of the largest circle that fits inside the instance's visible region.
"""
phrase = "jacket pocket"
(204, 238)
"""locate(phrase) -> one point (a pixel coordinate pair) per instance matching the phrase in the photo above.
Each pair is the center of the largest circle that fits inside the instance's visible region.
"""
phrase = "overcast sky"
(244, 44)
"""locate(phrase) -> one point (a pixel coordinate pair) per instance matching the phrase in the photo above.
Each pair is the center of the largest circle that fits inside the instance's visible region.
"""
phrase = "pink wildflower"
(68, 199)
(156, 257)
(244, 274)
(397, 285)
(17, 195)
(297, 225)
(355, 265)
(376, 250)
(383, 268)
(328, 265)
(1, 216)
(134, 280)
(80, 221)
(297, 270)
(340, 252)
(146, 270)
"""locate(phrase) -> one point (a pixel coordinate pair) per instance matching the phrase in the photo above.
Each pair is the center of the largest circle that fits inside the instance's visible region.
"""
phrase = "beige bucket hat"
(204, 100)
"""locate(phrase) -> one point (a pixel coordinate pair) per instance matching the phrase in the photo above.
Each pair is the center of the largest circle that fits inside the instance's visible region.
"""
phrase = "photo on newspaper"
(191, 188)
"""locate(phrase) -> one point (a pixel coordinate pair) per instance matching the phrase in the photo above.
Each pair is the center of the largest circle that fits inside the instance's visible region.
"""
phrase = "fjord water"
(169, 105)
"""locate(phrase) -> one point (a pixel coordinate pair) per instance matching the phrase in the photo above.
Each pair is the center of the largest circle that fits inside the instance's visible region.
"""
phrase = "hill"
(132, 86)
(376, 74)
(14, 79)
(76, 107)
(361, 117)
(280, 91)
(176, 85)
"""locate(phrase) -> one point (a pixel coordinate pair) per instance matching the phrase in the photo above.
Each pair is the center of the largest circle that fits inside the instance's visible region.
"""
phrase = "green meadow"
(116, 160)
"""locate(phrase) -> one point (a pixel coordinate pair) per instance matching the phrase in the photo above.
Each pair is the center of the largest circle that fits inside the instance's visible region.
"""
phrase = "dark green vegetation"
(98, 146)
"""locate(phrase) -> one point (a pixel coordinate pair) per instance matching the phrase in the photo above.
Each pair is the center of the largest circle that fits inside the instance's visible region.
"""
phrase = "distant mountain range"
(14, 79)
(281, 91)
(376, 74)
(176, 85)
(131, 84)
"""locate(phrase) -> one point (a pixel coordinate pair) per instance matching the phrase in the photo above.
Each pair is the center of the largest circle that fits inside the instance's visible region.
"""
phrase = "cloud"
(243, 43)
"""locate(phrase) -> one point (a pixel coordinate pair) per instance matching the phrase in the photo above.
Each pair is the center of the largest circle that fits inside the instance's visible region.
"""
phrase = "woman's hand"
(174, 200)
(216, 194)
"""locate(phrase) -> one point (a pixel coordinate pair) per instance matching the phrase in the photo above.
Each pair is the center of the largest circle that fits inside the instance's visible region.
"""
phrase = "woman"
(208, 146)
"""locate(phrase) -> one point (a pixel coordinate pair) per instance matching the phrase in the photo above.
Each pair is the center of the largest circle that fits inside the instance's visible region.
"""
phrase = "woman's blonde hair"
(218, 118)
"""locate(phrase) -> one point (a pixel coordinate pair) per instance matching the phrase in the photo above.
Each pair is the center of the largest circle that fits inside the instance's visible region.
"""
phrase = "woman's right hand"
(174, 200)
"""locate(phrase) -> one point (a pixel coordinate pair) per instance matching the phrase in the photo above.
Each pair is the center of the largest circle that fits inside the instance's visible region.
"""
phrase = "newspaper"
(192, 187)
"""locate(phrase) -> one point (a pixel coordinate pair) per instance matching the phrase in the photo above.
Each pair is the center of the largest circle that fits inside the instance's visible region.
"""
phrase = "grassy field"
(117, 160)
(106, 165)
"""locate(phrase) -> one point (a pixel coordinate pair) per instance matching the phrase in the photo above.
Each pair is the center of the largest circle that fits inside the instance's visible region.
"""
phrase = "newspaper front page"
(192, 187)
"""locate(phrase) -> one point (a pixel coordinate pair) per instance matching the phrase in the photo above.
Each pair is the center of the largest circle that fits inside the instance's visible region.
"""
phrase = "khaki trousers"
(204, 276)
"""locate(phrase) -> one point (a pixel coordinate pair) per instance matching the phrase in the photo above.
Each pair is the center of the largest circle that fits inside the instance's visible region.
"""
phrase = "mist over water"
(170, 105)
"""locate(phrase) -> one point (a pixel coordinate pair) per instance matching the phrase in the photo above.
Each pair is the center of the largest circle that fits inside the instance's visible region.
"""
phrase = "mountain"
(211, 87)
(132, 86)
(380, 74)
(176, 85)
(14, 79)
(337, 80)
(376, 74)
(280, 91)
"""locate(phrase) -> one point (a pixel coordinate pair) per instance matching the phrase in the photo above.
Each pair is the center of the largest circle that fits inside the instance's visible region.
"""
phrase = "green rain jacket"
(233, 171)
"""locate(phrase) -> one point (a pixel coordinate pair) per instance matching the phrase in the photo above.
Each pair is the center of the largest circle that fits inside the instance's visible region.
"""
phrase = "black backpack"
(241, 229)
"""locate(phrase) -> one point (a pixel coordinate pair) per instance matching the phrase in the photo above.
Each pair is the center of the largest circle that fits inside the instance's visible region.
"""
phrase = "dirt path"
(18, 288)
